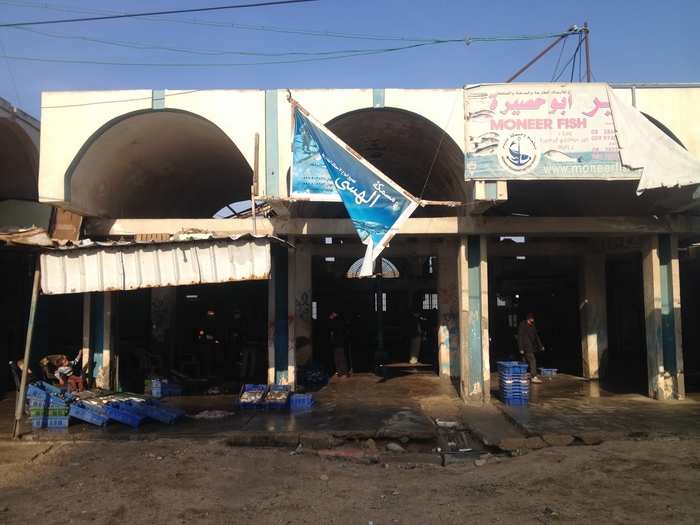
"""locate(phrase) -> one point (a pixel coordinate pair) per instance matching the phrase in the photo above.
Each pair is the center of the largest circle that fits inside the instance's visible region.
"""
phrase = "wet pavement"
(359, 407)
(572, 405)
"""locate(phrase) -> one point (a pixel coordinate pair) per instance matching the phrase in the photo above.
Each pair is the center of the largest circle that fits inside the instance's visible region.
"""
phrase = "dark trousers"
(340, 360)
(532, 363)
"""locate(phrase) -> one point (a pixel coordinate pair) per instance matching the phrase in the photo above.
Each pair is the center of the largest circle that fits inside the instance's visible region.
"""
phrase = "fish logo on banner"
(377, 205)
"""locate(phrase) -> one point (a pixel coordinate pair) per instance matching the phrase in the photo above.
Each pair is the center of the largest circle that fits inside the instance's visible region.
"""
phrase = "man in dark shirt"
(529, 343)
(337, 339)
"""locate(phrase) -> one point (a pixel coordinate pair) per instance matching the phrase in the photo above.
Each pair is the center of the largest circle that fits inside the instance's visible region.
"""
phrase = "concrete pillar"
(473, 319)
(104, 374)
(300, 294)
(663, 320)
(271, 324)
(87, 330)
(593, 314)
(448, 308)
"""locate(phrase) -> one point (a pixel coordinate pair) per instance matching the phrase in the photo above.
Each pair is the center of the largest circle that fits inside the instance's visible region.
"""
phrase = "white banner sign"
(542, 131)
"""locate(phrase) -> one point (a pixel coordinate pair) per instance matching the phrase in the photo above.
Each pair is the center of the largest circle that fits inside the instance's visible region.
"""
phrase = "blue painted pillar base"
(473, 320)
(662, 309)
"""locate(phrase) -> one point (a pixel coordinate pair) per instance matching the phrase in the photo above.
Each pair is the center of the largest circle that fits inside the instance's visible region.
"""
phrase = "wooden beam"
(570, 226)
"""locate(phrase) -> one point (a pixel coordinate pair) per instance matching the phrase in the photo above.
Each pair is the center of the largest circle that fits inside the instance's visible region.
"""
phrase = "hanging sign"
(377, 205)
(309, 177)
(542, 131)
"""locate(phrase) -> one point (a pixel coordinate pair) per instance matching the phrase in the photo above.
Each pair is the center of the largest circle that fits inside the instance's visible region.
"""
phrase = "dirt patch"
(195, 481)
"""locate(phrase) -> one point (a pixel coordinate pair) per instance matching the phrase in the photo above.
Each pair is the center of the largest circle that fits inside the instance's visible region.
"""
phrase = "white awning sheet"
(129, 267)
(645, 147)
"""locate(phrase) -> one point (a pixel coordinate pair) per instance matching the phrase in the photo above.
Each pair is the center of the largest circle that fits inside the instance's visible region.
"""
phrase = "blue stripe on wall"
(378, 98)
(158, 99)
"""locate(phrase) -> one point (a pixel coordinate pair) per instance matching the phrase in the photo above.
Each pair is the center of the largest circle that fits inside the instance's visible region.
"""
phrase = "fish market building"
(578, 202)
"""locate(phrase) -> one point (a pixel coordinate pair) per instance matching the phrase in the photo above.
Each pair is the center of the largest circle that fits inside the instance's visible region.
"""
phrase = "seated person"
(64, 371)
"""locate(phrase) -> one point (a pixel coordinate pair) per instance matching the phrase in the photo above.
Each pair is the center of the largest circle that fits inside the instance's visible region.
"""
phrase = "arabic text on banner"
(377, 206)
(542, 132)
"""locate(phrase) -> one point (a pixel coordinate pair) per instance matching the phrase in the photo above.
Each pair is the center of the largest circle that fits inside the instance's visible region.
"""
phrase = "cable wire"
(220, 64)
(156, 13)
(10, 74)
(201, 52)
(227, 25)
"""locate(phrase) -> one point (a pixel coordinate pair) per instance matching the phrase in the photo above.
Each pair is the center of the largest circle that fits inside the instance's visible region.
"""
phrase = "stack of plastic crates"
(513, 382)
(48, 406)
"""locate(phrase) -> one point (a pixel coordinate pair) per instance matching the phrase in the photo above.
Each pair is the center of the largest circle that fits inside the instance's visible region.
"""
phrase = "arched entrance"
(410, 149)
(158, 164)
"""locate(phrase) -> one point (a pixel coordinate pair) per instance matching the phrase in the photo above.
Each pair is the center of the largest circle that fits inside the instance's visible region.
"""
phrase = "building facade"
(604, 269)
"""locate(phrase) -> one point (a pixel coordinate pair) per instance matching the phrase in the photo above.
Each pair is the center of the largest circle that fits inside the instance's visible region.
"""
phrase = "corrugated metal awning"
(101, 268)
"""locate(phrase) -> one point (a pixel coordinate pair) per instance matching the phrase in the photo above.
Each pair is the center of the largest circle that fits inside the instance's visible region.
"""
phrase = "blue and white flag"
(377, 205)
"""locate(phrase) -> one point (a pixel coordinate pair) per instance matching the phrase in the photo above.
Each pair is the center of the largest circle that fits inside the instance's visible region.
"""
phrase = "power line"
(323, 57)
(156, 13)
(221, 64)
(227, 25)
(202, 52)
(13, 81)
(118, 101)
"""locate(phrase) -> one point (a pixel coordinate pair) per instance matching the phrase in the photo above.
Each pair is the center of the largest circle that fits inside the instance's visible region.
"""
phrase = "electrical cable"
(10, 74)
(221, 64)
(129, 44)
(561, 53)
(565, 66)
(156, 13)
(439, 146)
(117, 101)
(226, 25)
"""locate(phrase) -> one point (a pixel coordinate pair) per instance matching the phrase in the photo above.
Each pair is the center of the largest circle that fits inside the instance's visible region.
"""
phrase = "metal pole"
(21, 395)
(254, 187)
(540, 55)
(587, 45)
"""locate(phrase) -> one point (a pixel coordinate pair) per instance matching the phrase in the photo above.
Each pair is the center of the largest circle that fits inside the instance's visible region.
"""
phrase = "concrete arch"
(19, 163)
(403, 145)
(411, 149)
(165, 163)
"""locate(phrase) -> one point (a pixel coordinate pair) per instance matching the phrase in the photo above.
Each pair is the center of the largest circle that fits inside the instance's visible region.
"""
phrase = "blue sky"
(641, 41)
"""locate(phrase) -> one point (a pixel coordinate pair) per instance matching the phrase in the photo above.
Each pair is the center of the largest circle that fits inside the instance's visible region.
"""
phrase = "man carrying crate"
(529, 342)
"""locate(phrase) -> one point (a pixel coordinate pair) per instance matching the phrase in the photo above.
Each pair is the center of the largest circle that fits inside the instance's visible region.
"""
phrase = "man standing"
(529, 343)
(336, 339)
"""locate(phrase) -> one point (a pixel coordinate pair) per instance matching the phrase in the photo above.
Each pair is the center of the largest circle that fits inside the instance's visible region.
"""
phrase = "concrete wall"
(71, 119)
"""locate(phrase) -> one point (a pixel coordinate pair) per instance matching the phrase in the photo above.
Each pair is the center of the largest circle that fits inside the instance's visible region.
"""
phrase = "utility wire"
(220, 64)
(10, 74)
(349, 54)
(568, 62)
(156, 13)
(561, 53)
(118, 101)
(202, 52)
(226, 25)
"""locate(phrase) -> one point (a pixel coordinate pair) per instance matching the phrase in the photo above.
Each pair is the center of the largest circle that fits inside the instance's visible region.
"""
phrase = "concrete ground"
(568, 405)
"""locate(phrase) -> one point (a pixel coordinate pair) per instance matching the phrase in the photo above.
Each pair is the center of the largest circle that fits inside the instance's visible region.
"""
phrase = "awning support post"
(22, 394)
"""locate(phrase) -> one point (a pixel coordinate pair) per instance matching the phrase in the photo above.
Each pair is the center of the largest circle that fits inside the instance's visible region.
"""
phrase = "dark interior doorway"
(547, 287)
(624, 368)
(378, 312)
(690, 311)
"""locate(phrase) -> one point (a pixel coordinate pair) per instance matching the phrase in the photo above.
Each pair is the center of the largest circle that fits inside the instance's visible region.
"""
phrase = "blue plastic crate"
(511, 366)
(548, 372)
(301, 401)
(50, 422)
(126, 416)
(516, 401)
(281, 392)
(88, 415)
(257, 392)
(153, 411)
